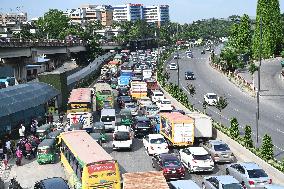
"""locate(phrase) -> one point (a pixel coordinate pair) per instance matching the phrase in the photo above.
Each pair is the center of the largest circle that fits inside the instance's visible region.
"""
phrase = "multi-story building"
(76, 15)
(127, 12)
(13, 17)
(106, 12)
(156, 14)
(11, 23)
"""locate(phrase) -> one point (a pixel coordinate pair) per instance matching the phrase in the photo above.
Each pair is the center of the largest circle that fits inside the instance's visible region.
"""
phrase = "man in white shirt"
(22, 131)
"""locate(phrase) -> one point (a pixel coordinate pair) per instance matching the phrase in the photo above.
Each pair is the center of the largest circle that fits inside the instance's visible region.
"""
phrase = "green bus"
(104, 95)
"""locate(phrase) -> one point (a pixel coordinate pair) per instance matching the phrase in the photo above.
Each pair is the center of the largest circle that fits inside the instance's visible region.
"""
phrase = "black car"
(123, 91)
(203, 52)
(52, 183)
(121, 100)
(189, 75)
(142, 126)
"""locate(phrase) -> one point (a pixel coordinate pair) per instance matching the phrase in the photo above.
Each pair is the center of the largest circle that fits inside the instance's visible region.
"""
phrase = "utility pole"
(177, 56)
(258, 86)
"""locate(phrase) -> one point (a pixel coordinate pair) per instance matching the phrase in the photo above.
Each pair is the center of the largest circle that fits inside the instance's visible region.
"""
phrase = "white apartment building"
(76, 15)
(127, 12)
(156, 14)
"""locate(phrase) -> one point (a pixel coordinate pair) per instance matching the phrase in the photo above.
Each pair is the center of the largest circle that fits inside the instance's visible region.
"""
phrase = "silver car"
(221, 182)
(133, 107)
(249, 174)
(219, 151)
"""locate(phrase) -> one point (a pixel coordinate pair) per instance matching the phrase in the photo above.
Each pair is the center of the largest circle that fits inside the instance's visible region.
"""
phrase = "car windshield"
(166, 102)
(173, 64)
(123, 90)
(107, 118)
(157, 141)
(105, 92)
(221, 147)
(257, 173)
(212, 96)
(201, 157)
(232, 186)
(152, 108)
(130, 106)
(143, 124)
(119, 136)
(171, 163)
(158, 94)
(126, 98)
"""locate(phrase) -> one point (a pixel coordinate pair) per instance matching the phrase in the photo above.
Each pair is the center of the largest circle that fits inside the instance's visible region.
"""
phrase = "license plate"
(144, 129)
(173, 171)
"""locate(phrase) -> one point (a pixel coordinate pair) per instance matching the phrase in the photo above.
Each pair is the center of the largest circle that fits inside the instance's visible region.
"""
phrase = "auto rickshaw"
(126, 117)
(46, 151)
(98, 132)
(54, 135)
(43, 130)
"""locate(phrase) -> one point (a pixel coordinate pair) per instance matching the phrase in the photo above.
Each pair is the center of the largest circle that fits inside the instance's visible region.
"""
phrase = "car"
(176, 56)
(183, 184)
(155, 144)
(123, 91)
(189, 75)
(203, 52)
(142, 126)
(121, 100)
(133, 107)
(249, 173)
(51, 183)
(144, 101)
(151, 110)
(221, 182)
(188, 51)
(196, 159)
(164, 105)
(274, 186)
(211, 99)
(219, 151)
(122, 137)
(170, 165)
(208, 49)
(189, 55)
(157, 95)
(173, 66)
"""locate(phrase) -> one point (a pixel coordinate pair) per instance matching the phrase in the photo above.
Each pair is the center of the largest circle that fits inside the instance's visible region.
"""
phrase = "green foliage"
(282, 54)
(272, 33)
(234, 129)
(221, 103)
(267, 148)
(252, 68)
(247, 138)
(231, 58)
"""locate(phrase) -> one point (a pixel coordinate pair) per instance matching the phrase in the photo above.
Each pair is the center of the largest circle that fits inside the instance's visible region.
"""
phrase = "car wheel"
(203, 186)
(227, 172)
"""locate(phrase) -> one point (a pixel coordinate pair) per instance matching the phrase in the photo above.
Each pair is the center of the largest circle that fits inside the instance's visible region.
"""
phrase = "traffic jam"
(126, 105)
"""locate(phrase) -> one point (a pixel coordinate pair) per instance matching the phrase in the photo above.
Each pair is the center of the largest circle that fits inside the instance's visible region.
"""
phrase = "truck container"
(202, 125)
(177, 128)
(138, 89)
(145, 180)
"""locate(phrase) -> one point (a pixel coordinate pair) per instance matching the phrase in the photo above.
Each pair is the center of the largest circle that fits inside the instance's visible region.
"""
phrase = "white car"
(173, 66)
(157, 95)
(133, 107)
(164, 105)
(144, 101)
(196, 159)
(122, 137)
(155, 144)
(211, 99)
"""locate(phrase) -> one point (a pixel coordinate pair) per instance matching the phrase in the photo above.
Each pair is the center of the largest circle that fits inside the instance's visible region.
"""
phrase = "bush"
(267, 148)
(282, 54)
(247, 138)
(234, 129)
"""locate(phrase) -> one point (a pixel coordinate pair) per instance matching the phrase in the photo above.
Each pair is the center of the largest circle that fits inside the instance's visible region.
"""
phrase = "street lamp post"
(177, 66)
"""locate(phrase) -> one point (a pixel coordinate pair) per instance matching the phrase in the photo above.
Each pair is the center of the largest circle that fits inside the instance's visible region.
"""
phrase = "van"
(108, 118)
(122, 137)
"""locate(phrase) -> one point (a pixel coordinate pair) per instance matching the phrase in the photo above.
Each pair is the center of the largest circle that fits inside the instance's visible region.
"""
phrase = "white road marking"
(278, 130)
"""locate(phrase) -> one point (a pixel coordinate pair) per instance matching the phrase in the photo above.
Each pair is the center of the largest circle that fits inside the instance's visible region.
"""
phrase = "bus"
(80, 100)
(104, 95)
(86, 164)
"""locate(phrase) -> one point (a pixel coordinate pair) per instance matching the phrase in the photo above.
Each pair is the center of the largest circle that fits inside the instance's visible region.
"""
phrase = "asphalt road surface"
(240, 105)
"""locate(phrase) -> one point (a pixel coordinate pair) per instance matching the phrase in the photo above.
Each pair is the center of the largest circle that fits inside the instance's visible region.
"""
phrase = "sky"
(182, 11)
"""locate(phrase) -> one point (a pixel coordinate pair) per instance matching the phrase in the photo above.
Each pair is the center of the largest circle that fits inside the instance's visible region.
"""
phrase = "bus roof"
(80, 95)
(85, 147)
(102, 86)
(177, 117)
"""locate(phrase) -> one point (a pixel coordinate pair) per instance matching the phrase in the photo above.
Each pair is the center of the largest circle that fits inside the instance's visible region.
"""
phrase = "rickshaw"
(46, 151)
(98, 132)
(43, 130)
(126, 117)
(54, 135)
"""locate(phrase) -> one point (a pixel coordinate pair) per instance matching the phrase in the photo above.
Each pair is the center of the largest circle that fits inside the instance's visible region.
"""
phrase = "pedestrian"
(19, 155)
(50, 118)
(22, 130)
(28, 148)
(1, 150)
(33, 127)
(5, 160)
(8, 147)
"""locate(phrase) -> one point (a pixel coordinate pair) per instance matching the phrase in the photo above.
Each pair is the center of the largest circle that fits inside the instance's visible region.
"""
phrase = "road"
(240, 105)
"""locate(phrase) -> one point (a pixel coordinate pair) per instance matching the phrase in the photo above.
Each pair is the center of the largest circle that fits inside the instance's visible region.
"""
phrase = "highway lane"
(241, 105)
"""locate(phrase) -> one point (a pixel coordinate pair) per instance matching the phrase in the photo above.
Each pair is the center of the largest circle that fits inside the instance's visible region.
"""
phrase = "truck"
(147, 73)
(202, 126)
(177, 128)
(143, 180)
(138, 89)
(84, 118)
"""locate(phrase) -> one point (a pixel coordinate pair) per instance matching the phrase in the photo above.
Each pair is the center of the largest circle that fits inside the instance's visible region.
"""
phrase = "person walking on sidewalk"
(50, 118)
(19, 155)
(22, 130)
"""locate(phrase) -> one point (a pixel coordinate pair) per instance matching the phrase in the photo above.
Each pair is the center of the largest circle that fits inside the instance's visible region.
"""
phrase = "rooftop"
(80, 95)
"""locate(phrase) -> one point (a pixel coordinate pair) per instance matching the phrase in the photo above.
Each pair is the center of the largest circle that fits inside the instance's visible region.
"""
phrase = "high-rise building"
(156, 14)
(127, 12)
(13, 17)
(106, 12)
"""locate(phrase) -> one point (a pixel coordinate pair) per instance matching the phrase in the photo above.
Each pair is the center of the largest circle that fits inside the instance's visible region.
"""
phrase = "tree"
(244, 36)
(191, 89)
(252, 68)
(234, 129)
(269, 13)
(267, 148)
(221, 104)
(204, 105)
(167, 76)
(247, 138)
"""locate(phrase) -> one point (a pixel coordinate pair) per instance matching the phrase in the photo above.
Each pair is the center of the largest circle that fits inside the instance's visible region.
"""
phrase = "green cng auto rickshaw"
(126, 117)
(43, 130)
(46, 151)
(98, 132)
(54, 135)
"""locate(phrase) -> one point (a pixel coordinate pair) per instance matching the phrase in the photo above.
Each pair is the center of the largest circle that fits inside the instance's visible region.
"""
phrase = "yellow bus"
(80, 100)
(87, 164)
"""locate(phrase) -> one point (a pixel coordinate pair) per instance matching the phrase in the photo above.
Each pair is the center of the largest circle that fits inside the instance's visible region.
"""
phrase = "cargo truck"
(177, 128)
